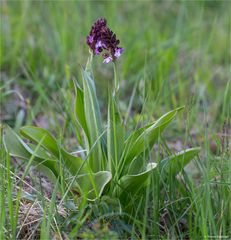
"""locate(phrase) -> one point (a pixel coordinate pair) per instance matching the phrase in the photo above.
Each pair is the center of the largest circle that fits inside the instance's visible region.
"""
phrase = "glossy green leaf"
(79, 110)
(15, 145)
(133, 183)
(175, 163)
(18, 148)
(92, 185)
(137, 164)
(144, 138)
(115, 136)
(72, 163)
(94, 122)
(49, 173)
(106, 205)
(36, 134)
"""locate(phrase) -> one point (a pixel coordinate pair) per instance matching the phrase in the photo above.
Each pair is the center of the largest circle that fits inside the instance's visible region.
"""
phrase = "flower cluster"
(102, 40)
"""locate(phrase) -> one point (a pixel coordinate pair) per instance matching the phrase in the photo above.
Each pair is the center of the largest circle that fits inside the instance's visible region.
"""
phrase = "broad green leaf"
(42, 152)
(144, 138)
(175, 163)
(72, 163)
(133, 183)
(137, 164)
(49, 173)
(36, 134)
(18, 148)
(15, 145)
(92, 185)
(106, 205)
(115, 136)
(79, 110)
(94, 122)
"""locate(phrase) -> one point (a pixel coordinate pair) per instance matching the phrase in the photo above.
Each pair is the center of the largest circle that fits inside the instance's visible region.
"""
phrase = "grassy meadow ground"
(176, 53)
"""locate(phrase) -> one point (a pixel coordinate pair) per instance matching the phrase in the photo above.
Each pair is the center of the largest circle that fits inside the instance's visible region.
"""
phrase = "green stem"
(116, 82)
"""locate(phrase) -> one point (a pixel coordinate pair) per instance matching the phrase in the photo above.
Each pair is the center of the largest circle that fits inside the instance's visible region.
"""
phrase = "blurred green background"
(176, 53)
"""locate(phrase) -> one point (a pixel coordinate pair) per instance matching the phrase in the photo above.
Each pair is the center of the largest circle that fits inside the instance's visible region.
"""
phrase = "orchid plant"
(114, 164)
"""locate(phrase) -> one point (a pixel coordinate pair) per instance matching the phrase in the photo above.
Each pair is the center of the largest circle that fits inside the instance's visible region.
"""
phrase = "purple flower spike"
(102, 39)
(107, 60)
